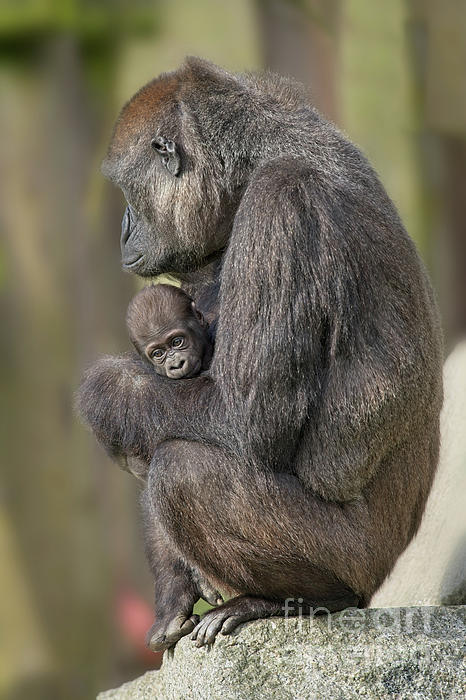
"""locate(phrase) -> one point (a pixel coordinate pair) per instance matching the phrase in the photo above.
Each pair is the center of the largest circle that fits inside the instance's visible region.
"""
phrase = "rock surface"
(386, 653)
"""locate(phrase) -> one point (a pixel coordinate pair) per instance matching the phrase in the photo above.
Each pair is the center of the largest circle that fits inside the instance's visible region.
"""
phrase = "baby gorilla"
(167, 330)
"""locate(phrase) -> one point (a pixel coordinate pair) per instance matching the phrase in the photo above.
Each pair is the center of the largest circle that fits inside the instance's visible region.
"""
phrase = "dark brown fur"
(299, 466)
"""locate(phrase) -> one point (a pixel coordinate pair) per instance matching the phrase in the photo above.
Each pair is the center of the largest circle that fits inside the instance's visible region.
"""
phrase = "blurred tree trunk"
(438, 58)
(59, 290)
(24, 650)
(300, 39)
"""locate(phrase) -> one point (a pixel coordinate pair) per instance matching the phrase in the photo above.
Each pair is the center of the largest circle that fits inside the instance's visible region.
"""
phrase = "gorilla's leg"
(258, 533)
(178, 586)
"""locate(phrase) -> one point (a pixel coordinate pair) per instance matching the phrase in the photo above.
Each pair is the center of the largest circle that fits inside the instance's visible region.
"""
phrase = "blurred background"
(75, 598)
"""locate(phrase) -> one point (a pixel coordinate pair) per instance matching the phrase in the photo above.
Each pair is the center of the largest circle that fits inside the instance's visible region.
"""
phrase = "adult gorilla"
(300, 467)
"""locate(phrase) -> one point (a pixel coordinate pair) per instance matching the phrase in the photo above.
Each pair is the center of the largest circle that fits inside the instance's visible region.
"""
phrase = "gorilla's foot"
(166, 631)
(225, 618)
(228, 616)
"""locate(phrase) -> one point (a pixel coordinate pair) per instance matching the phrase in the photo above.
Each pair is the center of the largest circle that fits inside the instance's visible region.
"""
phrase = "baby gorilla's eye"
(178, 341)
(157, 353)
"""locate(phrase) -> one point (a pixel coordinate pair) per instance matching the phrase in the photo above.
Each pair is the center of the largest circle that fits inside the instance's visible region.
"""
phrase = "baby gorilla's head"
(167, 330)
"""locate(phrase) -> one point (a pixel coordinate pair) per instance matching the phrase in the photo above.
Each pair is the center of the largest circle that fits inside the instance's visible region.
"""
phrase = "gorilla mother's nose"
(125, 228)
(131, 256)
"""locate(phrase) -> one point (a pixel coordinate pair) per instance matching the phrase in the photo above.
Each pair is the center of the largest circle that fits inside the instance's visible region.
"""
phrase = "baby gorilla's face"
(180, 351)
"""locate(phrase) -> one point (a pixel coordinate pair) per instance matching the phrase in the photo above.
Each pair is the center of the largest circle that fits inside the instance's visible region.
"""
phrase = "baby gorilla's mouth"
(183, 368)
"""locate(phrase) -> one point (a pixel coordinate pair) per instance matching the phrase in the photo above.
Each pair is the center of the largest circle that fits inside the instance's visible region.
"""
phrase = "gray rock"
(386, 653)
(432, 570)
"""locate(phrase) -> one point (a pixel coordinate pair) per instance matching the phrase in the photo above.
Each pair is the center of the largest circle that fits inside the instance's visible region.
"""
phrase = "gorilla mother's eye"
(178, 341)
(157, 354)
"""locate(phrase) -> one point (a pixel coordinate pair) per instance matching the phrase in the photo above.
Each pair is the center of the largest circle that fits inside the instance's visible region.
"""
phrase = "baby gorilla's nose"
(176, 364)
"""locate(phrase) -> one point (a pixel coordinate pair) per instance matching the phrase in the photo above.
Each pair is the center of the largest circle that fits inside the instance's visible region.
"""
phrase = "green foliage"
(84, 18)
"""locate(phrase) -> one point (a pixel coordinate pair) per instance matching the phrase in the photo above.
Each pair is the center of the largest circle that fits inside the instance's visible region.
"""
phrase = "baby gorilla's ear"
(198, 315)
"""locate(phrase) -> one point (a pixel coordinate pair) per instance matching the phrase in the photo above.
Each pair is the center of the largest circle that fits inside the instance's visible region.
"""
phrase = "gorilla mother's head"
(179, 153)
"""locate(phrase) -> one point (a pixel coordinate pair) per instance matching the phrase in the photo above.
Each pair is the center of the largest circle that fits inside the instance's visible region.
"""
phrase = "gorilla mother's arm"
(323, 300)
(131, 409)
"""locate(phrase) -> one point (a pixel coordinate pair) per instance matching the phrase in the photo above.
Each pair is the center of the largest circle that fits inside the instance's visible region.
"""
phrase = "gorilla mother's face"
(172, 222)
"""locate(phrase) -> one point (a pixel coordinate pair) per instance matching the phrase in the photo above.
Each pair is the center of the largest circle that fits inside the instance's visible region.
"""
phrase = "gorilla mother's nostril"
(125, 227)
(131, 255)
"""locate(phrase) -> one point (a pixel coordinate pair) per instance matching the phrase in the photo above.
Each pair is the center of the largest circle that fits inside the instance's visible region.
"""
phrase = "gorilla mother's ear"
(169, 152)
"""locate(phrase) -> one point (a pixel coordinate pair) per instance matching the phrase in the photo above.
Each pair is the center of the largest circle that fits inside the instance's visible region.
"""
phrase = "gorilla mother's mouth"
(131, 264)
